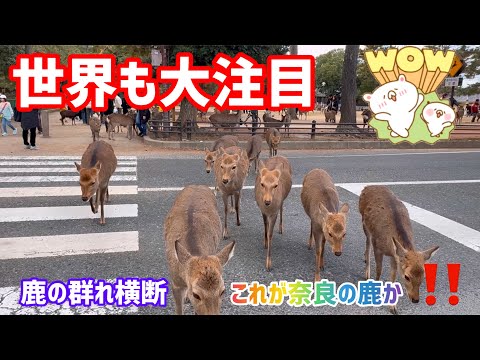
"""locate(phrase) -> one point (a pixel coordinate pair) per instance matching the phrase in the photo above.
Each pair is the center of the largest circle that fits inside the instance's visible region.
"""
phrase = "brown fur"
(273, 139)
(271, 122)
(115, 120)
(192, 233)
(388, 229)
(98, 164)
(330, 116)
(211, 155)
(254, 148)
(225, 120)
(327, 219)
(95, 126)
(272, 186)
(301, 113)
(231, 170)
(68, 114)
(459, 114)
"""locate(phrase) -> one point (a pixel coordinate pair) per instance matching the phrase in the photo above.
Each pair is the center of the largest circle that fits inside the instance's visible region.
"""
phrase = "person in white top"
(6, 114)
(118, 105)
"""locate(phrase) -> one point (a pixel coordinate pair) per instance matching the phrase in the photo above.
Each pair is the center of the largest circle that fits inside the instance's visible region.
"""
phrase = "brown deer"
(95, 126)
(225, 120)
(97, 166)
(273, 139)
(272, 186)
(211, 155)
(254, 148)
(330, 116)
(69, 114)
(231, 170)
(327, 219)
(301, 113)
(115, 120)
(192, 233)
(271, 122)
(388, 229)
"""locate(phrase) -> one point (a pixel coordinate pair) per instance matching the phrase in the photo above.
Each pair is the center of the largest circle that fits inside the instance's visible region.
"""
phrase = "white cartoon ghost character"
(395, 102)
(437, 116)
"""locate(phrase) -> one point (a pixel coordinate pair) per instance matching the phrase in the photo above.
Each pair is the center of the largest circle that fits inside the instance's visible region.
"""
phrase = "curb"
(326, 144)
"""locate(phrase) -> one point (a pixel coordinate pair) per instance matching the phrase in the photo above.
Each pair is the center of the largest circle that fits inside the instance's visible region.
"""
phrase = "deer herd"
(193, 227)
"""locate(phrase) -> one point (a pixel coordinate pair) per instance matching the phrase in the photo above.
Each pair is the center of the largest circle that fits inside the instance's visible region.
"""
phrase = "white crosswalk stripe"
(36, 190)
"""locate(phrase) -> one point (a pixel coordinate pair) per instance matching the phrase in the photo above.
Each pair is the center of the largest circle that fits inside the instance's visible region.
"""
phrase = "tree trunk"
(348, 115)
(28, 49)
(187, 112)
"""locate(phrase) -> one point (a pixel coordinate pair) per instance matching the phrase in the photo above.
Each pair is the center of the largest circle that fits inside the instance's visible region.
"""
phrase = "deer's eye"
(262, 185)
(223, 292)
(234, 167)
(196, 296)
(93, 183)
(275, 186)
(407, 278)
(330, 234)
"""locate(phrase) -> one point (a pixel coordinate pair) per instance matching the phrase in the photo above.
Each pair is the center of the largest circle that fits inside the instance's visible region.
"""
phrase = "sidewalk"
(74, 139)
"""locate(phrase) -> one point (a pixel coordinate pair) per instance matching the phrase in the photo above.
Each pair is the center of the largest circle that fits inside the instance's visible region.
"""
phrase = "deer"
(96, 168)
(95, 126)
(459, 113)
(330, 116)
(211, 155)
(301, 113)
(115, 120)
(254, 148)
(231, 170)
(272, 186)
(225, 120)
(273, 139)
(192, 233)
(388, 229)
(328, 219)
(69, 114)
(271, 122)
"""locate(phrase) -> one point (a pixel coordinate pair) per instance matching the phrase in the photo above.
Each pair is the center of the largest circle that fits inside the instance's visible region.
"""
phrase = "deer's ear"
(261, 165)
(98, 165)
(181, 253)
(344, 209)
(399, 249)
(206, 150)
(427, 254)
(226, 253)
(221, 150)
(77, 166)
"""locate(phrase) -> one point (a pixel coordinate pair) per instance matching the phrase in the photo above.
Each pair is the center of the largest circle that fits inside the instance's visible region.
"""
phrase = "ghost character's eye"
(392, 95)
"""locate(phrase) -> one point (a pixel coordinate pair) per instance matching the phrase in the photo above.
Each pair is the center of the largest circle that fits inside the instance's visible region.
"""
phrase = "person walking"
(30, 121)
(6, 114)
(474, 110)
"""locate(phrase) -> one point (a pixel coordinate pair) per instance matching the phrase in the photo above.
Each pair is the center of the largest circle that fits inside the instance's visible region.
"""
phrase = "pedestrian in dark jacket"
(142, 119)
(30, 121)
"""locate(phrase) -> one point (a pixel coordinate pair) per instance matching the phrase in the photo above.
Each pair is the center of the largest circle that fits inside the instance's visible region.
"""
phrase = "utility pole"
(292, 111)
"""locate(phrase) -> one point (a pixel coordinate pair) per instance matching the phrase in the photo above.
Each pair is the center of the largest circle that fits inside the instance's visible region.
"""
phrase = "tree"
(203, 55)
(328, 70)
(349, 86)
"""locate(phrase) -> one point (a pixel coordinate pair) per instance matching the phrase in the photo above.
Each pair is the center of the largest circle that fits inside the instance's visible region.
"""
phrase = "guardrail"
(165, 129)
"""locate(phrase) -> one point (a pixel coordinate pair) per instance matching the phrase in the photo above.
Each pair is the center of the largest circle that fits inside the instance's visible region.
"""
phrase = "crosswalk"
(40, 196)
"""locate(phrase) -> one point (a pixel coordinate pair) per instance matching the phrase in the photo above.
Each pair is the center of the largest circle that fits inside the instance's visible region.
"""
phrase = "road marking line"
(61, 191)
(63, 245)
(449, 228)
(250, 187)
(54, 163)
(65, 212)
(58, 170)
(384, 154)
(15, 179)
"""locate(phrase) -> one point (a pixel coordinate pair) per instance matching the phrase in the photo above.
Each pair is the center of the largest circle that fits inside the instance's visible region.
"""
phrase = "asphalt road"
(449, 188)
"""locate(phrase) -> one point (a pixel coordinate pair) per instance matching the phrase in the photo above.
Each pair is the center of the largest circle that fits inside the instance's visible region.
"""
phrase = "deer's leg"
(378, 262)
(271, 225)
(368, 246)
(280, 224)
(311, 239)
(319, 246)
(237, 206)
(92, 206)
(393, 276)
(265, 227)
(97, 197)
(232, 206)
(225, 205)
(179, 296)
(102, 203)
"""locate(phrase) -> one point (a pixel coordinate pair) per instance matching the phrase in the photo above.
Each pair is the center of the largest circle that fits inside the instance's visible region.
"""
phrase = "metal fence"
(192, 130)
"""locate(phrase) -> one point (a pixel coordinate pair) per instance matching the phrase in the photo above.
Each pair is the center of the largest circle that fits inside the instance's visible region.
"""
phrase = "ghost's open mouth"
(392, 95)
(439, 113)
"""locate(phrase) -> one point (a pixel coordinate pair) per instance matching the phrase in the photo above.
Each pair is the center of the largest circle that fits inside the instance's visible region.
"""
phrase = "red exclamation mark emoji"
(430, 277)
(453, 275)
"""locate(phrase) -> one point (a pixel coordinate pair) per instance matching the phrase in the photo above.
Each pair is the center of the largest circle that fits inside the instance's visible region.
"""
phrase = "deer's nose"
(225, 181)
(267, 202)
(208, 171)
(84, 198)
